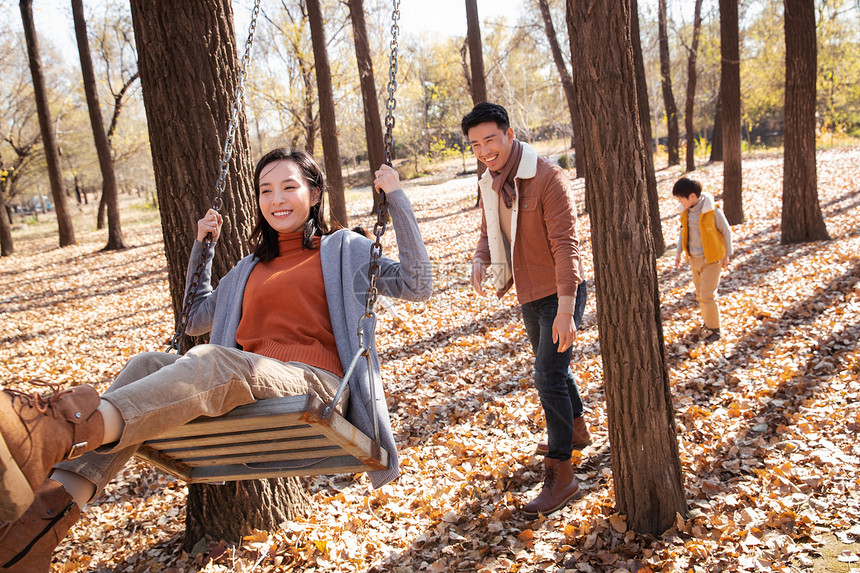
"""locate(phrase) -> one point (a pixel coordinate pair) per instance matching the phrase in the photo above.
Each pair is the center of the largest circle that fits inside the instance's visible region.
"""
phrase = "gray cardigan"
(345, 260)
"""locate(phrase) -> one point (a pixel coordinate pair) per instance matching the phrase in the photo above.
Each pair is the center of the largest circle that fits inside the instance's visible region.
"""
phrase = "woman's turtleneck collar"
(290, 242)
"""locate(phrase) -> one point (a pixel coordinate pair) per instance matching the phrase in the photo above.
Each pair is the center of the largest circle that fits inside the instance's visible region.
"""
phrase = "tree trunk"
(476, 61)
(801, 212)
(7, 246)
(187, 115)
(100, 214)
(310, 118)
(328, 121)
(247, 504)
(372, 122)
(646, 466)
(109, 193)
(46, 124)
(645, 126)
(566, 84)
(730, 99)
(691, 88)
(717, 133)
(666, 82)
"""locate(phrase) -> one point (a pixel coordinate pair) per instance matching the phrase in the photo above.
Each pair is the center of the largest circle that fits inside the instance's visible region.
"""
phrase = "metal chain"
(382, 211)
(221, 183)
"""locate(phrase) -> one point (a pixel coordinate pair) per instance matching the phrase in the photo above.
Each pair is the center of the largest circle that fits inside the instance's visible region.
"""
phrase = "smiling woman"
(285, 198)
(281, 323)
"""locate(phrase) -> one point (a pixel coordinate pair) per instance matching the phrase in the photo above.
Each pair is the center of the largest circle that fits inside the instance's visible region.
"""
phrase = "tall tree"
(717, 132)
(666, 83)
(328, 121)
(109, 190)
(372, 121)
(18, 111)
(730, 107)
(801, 213)
(645, 126)
(566, 84)
(114, 46)
(187, 115)
(49, 139)
(691, 87)
(478, 83)
(646, 466)
(299, 103)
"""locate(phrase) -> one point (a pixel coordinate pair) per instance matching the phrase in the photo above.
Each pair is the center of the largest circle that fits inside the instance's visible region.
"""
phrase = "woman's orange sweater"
(284, 309)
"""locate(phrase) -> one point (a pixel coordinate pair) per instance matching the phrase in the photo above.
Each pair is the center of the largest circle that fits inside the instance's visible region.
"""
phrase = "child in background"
(706, 238)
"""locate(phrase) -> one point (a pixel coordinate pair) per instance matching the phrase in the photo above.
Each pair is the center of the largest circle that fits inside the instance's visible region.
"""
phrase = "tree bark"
(109, 192)
(46, 124)
(187, 114)
(328, 120)
(566, 84)
(372, 121)
(691, 88)
(801, 213)
(645, 126)
(666, 82)
(476, 62)
(730, 99)
(248, 504)
(646, 466)
(717, 133)
(7, 246)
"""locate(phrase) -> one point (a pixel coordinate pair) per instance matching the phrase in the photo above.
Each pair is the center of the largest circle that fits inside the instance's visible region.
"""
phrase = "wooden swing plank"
(276, 437)
(307, 444)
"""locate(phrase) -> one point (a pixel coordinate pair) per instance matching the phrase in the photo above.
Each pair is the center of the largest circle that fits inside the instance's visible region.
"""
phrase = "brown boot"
(559, 487)
(38, 432)
(581, 438)
(26, 545)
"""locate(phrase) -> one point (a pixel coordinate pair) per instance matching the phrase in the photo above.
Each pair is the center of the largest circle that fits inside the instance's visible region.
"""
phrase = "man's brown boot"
(559, 487)
(26, 545)
(581, 438)
(38, 432)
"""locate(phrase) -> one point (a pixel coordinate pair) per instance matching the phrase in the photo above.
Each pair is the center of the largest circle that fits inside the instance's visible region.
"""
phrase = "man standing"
(528, 238)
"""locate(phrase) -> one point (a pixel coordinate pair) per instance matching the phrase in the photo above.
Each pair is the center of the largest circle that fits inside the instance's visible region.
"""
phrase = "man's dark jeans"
(554, 379)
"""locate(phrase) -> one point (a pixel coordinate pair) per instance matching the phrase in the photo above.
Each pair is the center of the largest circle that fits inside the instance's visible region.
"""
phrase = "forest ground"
(767, 417)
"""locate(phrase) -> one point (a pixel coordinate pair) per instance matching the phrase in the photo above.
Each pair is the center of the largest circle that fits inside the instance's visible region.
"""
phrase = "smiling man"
(528, 238)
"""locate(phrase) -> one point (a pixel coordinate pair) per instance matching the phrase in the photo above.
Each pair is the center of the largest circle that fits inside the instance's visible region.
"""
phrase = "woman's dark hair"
(264, 239)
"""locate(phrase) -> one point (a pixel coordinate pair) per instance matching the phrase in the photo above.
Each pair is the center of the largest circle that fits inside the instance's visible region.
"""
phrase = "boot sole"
(581, 446)
(533, 514)
(16, 495)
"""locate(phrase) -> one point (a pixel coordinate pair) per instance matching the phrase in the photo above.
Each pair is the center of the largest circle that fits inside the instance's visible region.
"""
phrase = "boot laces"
(40, 403)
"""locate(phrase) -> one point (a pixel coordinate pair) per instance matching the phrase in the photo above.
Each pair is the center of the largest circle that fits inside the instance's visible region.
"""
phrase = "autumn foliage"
(767, 417)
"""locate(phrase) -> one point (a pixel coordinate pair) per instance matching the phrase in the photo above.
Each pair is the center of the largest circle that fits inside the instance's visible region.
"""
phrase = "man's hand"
(479, 275)
(563, 331)
(725, 262)
(678, 259)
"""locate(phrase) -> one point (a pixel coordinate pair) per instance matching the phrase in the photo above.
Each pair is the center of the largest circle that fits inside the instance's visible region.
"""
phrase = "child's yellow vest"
(712, 240)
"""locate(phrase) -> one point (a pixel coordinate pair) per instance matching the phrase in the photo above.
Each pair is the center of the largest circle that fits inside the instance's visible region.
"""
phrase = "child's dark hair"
(264, 238)
(685, 187)
(484, 112)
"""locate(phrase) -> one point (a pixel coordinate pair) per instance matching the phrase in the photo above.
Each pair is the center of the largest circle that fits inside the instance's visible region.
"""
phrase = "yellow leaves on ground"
(766, 419)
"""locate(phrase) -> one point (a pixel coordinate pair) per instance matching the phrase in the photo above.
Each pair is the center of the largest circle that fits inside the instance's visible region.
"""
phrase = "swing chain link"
(382, 211)
(221, 183)
(391, 102)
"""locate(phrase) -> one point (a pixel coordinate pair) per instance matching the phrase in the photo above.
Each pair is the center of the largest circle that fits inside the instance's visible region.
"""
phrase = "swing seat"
(276, 437)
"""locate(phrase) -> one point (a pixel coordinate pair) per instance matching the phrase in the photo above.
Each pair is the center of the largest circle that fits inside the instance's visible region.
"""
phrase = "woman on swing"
(282, 322)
